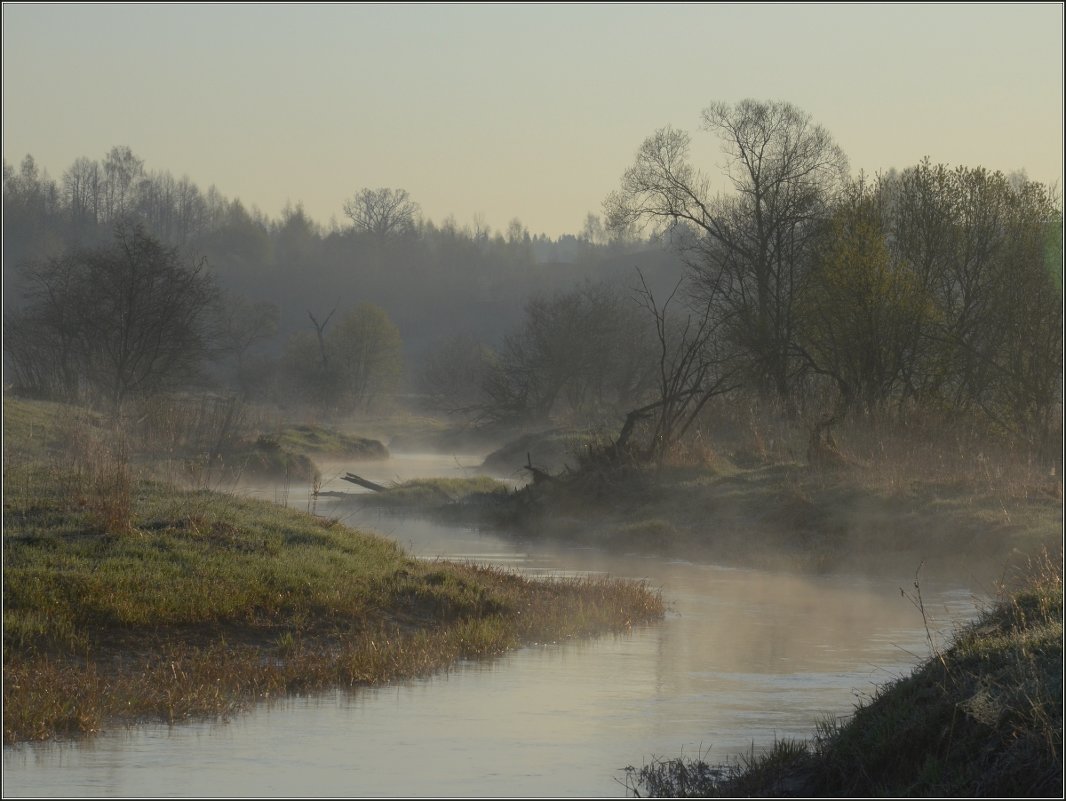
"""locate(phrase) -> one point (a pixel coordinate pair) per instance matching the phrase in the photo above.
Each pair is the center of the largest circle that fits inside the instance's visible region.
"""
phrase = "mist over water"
(842, 366)
(743, 657)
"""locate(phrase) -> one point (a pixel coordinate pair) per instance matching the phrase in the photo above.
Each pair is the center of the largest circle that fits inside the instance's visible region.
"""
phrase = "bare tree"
(482, 229)
(320, 329)
(122, 171)
(122, 320)
(748, 251)
(82, 190)
(691, 371)
(44, 341)
(383, 212)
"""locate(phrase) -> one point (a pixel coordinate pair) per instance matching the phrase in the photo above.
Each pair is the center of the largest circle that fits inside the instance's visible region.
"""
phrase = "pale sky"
(514, 110)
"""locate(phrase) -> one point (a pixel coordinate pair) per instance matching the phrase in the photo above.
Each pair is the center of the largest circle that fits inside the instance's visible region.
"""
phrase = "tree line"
(430, 277)
(264, 291)
(933, 288)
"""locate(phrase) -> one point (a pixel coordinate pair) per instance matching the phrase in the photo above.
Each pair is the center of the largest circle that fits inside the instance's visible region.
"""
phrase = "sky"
(528, 111)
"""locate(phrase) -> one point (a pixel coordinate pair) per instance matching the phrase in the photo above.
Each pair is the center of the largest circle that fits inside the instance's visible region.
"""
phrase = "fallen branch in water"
(362, 482)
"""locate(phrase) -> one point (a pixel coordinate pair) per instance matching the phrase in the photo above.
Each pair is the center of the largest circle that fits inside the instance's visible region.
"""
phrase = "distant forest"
(933, 288)
(435, 282)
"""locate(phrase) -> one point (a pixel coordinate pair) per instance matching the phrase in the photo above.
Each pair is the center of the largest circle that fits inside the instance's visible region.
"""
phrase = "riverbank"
(783, 515)
(983, 717)
(128, 599)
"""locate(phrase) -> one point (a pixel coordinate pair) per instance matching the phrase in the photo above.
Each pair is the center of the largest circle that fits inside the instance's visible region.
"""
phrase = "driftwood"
(362, 482)
(539, 476)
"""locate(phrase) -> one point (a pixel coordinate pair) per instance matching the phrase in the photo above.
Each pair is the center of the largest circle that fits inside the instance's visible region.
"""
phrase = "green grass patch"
(316, 440)
(267, 458)
(40, 429)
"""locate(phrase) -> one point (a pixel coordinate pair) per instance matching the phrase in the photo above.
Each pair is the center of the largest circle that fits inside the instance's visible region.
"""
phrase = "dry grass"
(741, 489)
(172, 674)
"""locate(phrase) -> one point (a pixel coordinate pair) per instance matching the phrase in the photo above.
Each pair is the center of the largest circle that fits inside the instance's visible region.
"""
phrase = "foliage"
(352, 365)
(859, 308)
(978, 244)
(936, 287)
(314, 439)
(433, 281)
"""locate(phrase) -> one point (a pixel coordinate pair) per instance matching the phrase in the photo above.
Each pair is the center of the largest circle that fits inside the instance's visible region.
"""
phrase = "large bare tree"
(691, 369)
(749, 250)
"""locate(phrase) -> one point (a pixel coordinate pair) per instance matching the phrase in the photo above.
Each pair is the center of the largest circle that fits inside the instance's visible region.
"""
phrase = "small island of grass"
(127, 599)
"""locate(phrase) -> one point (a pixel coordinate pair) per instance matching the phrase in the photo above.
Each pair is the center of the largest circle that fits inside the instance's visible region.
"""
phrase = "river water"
(743, 657)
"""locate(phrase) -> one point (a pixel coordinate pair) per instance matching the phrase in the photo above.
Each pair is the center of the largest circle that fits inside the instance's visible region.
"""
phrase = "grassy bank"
(981, 718)
(315, 440)
(742, 503)
(895, 498)
(127, 599)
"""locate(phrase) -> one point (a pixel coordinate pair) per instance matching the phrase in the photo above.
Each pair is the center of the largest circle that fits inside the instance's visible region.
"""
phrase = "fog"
(820, 412)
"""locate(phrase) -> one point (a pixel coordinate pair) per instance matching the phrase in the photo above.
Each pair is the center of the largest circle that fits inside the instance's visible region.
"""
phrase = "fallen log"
(362, 482)
(539, 476)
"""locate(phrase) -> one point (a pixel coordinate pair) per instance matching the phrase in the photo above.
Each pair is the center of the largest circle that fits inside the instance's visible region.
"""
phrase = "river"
(743, 657)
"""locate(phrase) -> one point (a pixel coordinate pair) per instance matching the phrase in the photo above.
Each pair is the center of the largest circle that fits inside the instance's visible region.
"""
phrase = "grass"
(126, 598)
(981, 718)
(42, 429)
(314, 440)
(268, 458)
